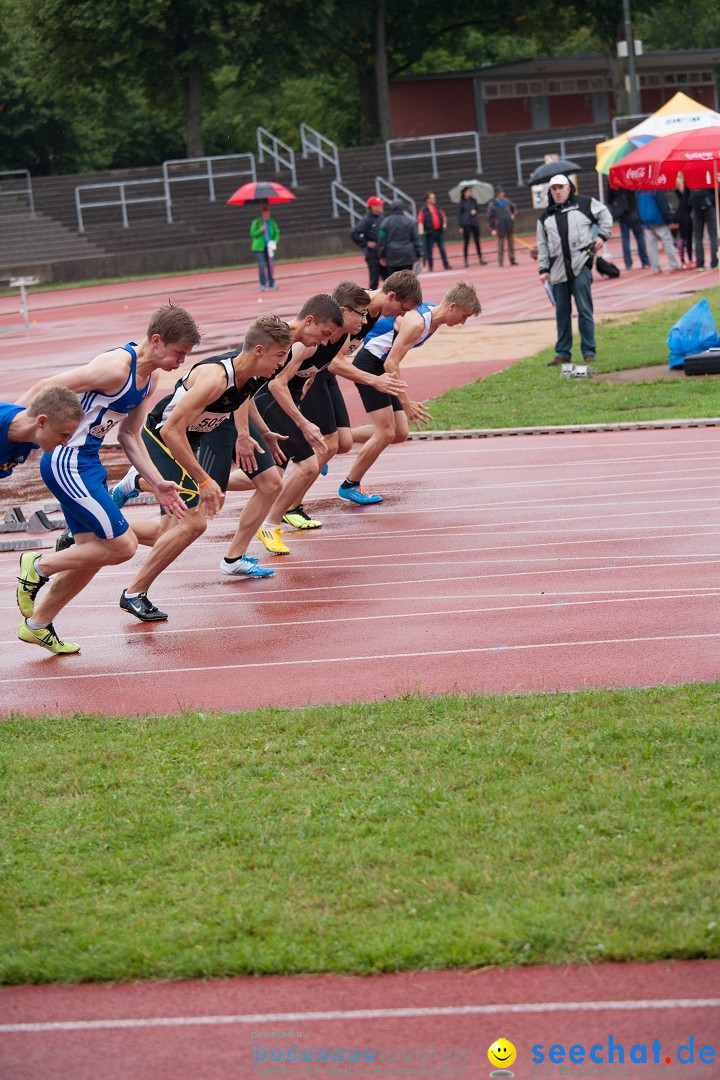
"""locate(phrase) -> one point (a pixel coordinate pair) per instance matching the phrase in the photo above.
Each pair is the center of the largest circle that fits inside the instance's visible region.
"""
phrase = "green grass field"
(426, 832)
(530, 393)
(421, 833)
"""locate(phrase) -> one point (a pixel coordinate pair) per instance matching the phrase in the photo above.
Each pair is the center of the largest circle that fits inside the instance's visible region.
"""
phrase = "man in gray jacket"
(569, 234)
(398, 241)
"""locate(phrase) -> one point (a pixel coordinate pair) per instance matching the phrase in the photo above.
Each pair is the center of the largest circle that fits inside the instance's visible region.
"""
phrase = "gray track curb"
(564, 429)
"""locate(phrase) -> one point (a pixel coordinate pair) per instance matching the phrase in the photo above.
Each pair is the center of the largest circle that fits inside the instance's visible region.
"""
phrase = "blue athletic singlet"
(75, 474)
(379, 340)
(11, 453)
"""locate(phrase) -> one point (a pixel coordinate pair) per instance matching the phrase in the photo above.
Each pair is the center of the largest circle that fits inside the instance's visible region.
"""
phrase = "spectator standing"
(702, 204)
(469, 224)
(623, 207)
(683, 219)
(569, 233)
(432, 222)
(398, 241)
(365, 235)
(501, 214)
(655, 214)
(264, 236)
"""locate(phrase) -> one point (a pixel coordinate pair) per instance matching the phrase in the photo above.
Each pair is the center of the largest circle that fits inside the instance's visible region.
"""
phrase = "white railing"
(626, 126)
(211, 173)
(26, 190)
(278, 151)
(566, 148)
(433, 151)
(123, 201)
(384, 189)
(345, 199)
(313, 142)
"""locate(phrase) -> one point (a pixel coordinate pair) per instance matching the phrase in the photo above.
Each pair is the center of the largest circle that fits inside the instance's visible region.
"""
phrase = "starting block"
(576, 371)
(14, 521)
(40, 521)
(21, 545)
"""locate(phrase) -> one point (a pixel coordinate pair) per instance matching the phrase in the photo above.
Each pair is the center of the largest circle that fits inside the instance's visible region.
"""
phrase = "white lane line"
(365, 1014)
(318, 660)
(549, 605)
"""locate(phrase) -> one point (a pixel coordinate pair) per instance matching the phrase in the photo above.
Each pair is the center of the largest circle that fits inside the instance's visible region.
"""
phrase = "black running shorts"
(324, 404)
(373, 399)
(217, 452)
(295, 447)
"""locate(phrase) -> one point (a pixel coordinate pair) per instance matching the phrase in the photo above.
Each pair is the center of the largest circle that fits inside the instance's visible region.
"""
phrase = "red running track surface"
(546, 562)
(424, 1023)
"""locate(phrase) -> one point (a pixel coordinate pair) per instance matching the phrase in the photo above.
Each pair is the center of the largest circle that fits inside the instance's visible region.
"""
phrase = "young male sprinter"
(318, 319)
(383, 350)
(47, 421)
(202, 400)
(323, 402)
(286, 391)
(314, 324)
(113, 387)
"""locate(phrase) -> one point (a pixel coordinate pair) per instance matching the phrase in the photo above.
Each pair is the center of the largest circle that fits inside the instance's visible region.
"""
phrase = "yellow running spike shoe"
(29, 583)
(47, 638)
(300, 520)
(273, 541)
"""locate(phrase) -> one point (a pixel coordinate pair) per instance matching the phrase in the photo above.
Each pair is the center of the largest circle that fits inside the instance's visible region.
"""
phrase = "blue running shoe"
(324, 470)
(358, 494)
(125, 489)
(245, 567)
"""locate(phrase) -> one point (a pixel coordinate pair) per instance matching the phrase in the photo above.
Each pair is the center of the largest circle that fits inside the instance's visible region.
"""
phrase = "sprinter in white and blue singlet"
(383, 350)
(400, 293)
(112, 389)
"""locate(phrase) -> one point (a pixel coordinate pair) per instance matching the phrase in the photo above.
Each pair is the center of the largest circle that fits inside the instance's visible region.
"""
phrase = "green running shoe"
(47, 638)
(29, 583)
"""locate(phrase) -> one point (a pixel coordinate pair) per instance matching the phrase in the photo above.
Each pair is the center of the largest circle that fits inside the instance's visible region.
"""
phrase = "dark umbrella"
(262, 191)
(544, 172)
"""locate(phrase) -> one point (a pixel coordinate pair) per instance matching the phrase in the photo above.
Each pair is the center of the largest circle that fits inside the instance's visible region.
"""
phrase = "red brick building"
(537, 95)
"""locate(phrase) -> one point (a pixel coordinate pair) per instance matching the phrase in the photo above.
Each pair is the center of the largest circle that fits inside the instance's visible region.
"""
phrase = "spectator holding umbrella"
(264, 236)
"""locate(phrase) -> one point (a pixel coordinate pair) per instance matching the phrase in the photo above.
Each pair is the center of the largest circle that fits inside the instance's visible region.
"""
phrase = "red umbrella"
(656, 165)
(262, 191)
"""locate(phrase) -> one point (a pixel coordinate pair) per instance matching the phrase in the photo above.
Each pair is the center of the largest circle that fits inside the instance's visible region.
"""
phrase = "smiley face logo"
(502, 1054)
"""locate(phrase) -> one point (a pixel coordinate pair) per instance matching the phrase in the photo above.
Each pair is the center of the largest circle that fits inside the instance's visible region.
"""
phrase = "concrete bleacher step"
(205, 234)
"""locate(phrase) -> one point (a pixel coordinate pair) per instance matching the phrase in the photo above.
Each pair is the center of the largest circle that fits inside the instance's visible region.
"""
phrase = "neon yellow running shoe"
(29, 583)
(272, 539)
(300, 520)
(47, 638)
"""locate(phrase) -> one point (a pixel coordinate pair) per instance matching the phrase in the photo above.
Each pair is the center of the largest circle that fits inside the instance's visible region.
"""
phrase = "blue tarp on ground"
(693, 333)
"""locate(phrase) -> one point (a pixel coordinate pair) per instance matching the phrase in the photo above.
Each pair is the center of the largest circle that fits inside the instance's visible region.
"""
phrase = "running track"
(546, 562)
(207, 1031)
(540, 562)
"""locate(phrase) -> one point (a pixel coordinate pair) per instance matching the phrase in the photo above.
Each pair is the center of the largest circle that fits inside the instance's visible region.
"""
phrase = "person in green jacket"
(264, 236)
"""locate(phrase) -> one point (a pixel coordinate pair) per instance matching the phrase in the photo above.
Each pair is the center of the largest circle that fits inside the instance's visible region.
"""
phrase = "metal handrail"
(433, 153)
(338, 191)
(628, 116)
(384, 187)
(549, 146)
(313, 142)
(122, 202)
(210, 174)
(27, 190)
(272, 149)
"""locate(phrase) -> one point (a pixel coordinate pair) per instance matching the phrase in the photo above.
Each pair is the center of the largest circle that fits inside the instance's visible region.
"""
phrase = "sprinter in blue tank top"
(112, 389)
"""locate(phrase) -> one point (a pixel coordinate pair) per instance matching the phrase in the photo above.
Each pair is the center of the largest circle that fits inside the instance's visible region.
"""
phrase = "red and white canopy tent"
(656, 166)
